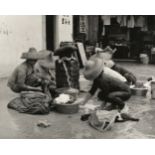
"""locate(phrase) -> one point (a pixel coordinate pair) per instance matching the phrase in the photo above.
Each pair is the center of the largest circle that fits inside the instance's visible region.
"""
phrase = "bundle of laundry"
(31, 102)
(64, 99)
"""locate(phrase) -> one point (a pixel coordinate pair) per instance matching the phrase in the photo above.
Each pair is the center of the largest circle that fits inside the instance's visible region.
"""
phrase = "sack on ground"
(103, 120)
(31, 103)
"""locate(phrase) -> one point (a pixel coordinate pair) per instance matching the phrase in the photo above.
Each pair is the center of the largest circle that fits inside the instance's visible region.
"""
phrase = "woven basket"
(71, 91)
(139, 91)
(67, 108)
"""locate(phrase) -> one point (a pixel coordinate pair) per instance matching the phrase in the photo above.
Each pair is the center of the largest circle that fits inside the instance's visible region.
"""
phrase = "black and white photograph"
(77, 76)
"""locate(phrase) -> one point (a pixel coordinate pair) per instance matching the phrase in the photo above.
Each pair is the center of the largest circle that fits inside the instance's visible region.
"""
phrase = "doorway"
(50, 32)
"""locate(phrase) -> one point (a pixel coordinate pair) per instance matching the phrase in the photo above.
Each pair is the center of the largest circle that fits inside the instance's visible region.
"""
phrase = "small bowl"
(139, 91)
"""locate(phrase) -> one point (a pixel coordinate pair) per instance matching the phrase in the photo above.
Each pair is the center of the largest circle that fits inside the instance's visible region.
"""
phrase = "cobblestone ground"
(17, 125)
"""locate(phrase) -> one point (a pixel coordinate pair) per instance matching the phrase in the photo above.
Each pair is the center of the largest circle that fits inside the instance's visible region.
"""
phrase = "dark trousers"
(117, 98)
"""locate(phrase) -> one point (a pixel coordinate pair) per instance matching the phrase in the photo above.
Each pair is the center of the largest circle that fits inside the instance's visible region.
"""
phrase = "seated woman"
(23, 78)
(111, 89)
(45, 70)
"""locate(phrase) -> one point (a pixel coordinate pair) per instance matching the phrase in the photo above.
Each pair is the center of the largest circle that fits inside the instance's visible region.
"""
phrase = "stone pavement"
(23, 126)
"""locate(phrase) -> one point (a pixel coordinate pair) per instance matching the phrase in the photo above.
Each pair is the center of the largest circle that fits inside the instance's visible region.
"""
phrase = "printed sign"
(65, 20)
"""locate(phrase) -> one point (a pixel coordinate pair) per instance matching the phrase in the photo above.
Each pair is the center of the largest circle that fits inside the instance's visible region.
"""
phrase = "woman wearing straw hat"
(23, 77)
(111, 89)
(45, 70)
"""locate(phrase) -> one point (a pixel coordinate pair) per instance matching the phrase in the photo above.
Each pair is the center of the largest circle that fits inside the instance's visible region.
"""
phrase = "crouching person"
(23, 77)
(111, 89)
(106, 55)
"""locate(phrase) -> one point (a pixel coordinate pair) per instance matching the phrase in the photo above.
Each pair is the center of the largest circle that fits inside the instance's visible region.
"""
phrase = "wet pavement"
(18, 125)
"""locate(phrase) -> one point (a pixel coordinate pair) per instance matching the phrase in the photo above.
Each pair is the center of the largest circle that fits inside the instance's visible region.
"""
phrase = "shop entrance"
(50, 32)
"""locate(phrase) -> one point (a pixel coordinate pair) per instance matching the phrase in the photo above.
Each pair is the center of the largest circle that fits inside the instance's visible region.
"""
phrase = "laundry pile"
(64, 99)
(31, 103)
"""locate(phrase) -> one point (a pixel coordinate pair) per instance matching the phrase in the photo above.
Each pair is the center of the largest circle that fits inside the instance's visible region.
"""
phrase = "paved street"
(17, 125)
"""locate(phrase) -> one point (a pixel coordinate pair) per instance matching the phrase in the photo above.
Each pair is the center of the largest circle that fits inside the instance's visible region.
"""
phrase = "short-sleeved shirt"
(21, 75)
(108, 84)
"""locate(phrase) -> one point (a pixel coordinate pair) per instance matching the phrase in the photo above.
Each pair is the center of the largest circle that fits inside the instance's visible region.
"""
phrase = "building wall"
(17, 34)
(63, 29)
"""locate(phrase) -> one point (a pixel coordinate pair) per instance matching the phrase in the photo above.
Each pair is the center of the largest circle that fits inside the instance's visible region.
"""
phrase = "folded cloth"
(31, 103)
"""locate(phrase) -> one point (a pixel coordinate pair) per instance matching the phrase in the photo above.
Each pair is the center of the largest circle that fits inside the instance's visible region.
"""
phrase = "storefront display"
(130, 34)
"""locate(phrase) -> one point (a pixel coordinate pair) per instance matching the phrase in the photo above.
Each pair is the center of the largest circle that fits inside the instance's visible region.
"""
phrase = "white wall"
(63, 29)
(17, 34)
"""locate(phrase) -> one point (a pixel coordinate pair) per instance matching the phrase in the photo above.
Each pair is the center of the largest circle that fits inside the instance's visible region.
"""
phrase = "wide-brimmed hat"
(105, 54)
(93, 68)
(32, 54)
(98, 50)
(47, 62)
(45, 53)
(109, 49)
(65, 49)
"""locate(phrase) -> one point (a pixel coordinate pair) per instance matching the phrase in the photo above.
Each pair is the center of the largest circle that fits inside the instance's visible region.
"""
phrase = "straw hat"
(65, 49)
(45, 53)
(93, 68)
(47, 61)
(98, 50)
(32, 54)
(105, 54)
(109, 49)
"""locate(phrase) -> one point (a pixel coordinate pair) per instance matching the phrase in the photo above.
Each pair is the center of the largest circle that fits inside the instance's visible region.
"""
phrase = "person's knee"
(101, 96)
(111, 96)
(128, 94)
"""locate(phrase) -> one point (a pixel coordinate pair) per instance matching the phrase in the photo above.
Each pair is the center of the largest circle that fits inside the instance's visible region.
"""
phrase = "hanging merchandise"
(103, 30)
(145, 25)
(139, 21)
(130, 22)
(119, 19)
(123, 21)
(144, 28)
(106, 20)
(83, 23)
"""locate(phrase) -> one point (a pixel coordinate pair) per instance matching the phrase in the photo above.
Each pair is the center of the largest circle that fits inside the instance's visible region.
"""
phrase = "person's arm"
(90, 93)
(21, 82)
(86, 99)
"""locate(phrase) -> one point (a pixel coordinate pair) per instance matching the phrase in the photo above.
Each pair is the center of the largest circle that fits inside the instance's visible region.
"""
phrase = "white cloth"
(131, 22)
(114, 74)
